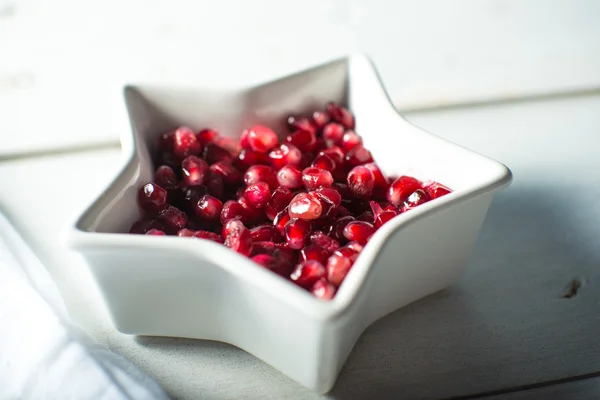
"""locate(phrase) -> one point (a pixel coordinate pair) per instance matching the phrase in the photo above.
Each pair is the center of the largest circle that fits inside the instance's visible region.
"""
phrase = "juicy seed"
(320, 119)
(359, 231)
(323, 290)
(155, 232)
(285, 154)
(334, 132)
(358, 156)
(232, 209)
(314, 178)
(209, 208)
(173, 219)
(240, 241)
(417, 198)
(341, 115)
(307, 273)
(337, 268)
(314, 252)
(301, 123)
(206, 136)
(297, 232)
(261, 173)
(290, 177)
(279, 200)
(318, 238)
(265, 233)
(262, 138)
(166, 178)
(360, 181)
(185, 143)
(401, 188)
(435, 189)
(305, 206)
(350, 140)
(152, 198)
(208, 236)
(303, 140)
(257, 194)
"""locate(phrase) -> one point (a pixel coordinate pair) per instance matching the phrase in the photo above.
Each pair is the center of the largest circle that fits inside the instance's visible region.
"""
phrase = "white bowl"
(169, 286)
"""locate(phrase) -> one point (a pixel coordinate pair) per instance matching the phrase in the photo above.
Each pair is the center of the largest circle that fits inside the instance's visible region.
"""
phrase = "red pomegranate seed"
(166, 178)
(214, 153)
(264, 248)
(285, 154)
(297, 232)
(384, 217)
(323, 290)
(229, 144)
(231, 226)
(265, 233)
(166, 141)
(281, 219)
(248, 157)
(227, 171)
(232, 209)
(305, 206)
(358, 156)
(350, 140)
(208, 208)
(320, 239)
(155, 232)
(380, 186)
(347, 252)
(290, 177)
(206, 136)
(324, 162)
(314, 252)
(357, 247)
(301, 123)
(375, 208)
(333, 132)
(320, 119)
(253, 215)
(341, 115)
(259, 138)
(359, 231)
(337, 268)
(330, 194)
(201, 234)
(261, 173)
(190, 195)
(185, 143)
(173, 219)
(314, 178)
(402, 187)
(279, 200)
(195, 170)
(391, 207)
(434, 189)
(257, 194)
(214, 183)
(152, 198)
(265, 260)
(144, 225)
(336, 154)
(416, 198)
(337, 228)
(360, 181)
(366, 216)
(240, 241)
(307, 273)
(304, 140)
(185, 232)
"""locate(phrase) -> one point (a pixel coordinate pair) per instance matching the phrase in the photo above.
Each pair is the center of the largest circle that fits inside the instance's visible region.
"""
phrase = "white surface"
(504, 325)
(170, 286)
(63, 61)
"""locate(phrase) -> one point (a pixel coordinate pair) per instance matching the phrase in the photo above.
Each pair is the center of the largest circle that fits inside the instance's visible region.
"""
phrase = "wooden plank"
(506, 323)
(60, 76)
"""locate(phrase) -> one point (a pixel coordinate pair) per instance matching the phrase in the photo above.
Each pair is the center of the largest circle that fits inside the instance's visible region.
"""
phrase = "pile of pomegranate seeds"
(303, 208)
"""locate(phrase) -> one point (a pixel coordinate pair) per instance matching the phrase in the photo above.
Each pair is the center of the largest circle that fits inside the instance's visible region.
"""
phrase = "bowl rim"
(77, 239)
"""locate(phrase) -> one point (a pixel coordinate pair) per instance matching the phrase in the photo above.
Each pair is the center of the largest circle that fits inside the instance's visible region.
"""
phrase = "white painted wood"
(63, 61)
(504, 325)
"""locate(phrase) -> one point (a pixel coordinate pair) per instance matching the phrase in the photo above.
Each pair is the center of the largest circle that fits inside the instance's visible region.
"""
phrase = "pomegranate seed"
(166, 178)
(329, 194)
(240, 241)
(321, 145)
(206, 136)
(359, 231)
(185, 232)
(253, 215)
(247, 158)
(201, 234)
(232, 209)
(214, 183)
(227, 171)
(337, 229)
(417, 198)
(259, 138)
(360, 182)
(261, 173)
(358, 156)
(231, 226)
(336, 154)
(229, 144)
(305, 206)
(285, 154)
(323, 290)
(333, 132)
(152, 198)
(314, 178)
(347, 252)
(257, 194)
(195, 170)
(297, 232)
(350, 140)
(357, 247)
(190, 195)
(301, 123)
(320, 239)
(341, 115)
(264, 248)
(320, 119)
(384, 217)
(155, 232)
(304, 140)
(166, 142)
(274, 263)
(366, 216)
(435, 189)
(290, 177)
(281, 219)
(337, 268)
(307, 273)
(279, 200)
(265, 233)
(324, 162)
(208, 208)
(173, 219)
(144, 225)
(185, 143)
(214, 153)
(314, 252)
(402, 187)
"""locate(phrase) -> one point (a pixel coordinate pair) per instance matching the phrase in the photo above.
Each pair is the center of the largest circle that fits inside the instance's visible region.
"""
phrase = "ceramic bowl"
(169, 286)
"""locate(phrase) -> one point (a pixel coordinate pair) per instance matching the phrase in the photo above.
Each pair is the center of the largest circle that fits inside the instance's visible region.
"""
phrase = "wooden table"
(520, 324)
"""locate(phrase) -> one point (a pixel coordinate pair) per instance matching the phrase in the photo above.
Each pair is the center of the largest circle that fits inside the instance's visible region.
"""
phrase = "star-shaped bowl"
(166, 286)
